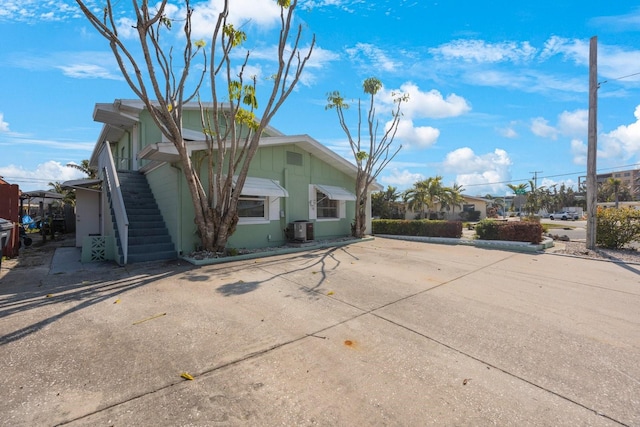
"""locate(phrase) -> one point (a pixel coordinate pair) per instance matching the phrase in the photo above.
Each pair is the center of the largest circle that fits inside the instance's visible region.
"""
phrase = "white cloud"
(83, 64)
(622, 142)
(31, 11)
(481, 51)
(4, 126)
(261, 13)
(88, 71)
(613, 61)
(508, 132)
(572, 124)
(541, 127)
(420, 105)
(479, 173)
(416, 136)
(126, 28)
(249, 72)
(579, 152)
(373, 56)
(320, 58)
(401, 178)
(38, 179)
(431, 104)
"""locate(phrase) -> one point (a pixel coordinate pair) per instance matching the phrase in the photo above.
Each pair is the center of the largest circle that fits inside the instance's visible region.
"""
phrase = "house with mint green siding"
(296, 189)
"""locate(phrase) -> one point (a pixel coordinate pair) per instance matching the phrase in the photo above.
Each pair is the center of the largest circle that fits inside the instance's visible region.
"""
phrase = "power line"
(619, 78)
(550, 176)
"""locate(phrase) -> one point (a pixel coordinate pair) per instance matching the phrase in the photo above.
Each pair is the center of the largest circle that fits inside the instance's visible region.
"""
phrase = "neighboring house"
(145, 206)
(469, 204)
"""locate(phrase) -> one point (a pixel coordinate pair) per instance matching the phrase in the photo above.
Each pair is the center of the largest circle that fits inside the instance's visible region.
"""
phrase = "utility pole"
(592, 151)
(535, 178)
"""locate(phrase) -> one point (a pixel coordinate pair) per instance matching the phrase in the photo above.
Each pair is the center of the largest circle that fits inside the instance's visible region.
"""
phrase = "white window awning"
(262, 187)
(336, 193)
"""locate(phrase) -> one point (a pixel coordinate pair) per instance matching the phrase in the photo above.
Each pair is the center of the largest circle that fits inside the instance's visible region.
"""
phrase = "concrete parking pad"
(384, 332)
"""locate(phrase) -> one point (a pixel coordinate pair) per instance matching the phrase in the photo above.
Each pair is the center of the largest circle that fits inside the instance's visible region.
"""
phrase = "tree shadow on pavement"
(238, 288)
(320, 262)
(18, 296)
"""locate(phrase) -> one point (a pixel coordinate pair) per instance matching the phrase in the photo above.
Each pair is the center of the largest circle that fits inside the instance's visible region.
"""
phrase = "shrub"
(423, 227)
(525, 231)
(617, 227)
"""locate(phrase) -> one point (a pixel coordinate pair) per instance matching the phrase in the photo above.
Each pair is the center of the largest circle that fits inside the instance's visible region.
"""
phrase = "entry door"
(87, 214)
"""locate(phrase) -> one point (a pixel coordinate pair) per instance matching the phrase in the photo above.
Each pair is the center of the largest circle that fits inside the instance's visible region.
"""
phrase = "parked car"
(563, 216)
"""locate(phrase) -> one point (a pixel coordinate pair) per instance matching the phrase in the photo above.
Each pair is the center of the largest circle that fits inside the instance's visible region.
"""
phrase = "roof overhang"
(41, 194)
(160, 152)
(82, 184)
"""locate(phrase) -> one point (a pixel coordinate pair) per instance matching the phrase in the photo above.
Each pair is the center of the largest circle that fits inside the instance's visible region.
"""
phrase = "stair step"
(148, 232)
(156, 256)
(143, 211)
(139, 219)
(149, 239)
(150, 248)
(140, 240)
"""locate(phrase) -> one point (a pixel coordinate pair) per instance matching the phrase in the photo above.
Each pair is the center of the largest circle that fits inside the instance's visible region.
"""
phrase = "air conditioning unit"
(300, 231)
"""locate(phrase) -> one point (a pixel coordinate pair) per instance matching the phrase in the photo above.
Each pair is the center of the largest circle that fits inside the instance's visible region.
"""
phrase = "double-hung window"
(328, 202)
(326, 207)
(259, 200)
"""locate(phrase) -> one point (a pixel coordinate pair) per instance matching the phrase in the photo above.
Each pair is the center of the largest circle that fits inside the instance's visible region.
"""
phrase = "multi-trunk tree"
(161, 77)
(371, 153)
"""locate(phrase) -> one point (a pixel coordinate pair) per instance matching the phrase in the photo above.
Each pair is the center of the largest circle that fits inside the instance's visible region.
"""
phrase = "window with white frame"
(328, 203)
(253, 207)
(259, 201)
(326, 207)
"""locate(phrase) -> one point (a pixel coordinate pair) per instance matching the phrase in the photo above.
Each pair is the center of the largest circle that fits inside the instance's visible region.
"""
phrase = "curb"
(489, 244)
(273, 252)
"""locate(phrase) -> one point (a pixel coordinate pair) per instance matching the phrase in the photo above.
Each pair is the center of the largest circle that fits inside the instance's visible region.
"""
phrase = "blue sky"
(498, 90)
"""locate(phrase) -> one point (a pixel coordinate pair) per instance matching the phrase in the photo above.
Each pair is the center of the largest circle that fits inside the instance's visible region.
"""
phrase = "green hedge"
(513, 231)
(423, 227)
(617, 227)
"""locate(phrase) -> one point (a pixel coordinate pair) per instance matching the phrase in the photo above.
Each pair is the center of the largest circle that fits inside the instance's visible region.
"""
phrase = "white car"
(563, 216)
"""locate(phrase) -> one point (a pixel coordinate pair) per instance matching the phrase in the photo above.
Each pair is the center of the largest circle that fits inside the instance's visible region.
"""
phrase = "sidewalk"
(385, 332)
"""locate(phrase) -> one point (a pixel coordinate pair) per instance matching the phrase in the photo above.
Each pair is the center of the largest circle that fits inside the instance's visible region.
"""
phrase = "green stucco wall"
(174, 199)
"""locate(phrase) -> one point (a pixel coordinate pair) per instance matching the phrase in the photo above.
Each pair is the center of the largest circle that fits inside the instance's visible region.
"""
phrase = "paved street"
(384, 332)
(574, 230)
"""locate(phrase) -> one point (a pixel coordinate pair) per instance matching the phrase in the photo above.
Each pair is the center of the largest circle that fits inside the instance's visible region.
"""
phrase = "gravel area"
(578, 248)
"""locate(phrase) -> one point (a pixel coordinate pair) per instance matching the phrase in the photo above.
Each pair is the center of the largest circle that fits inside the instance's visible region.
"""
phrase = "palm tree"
(68, 197)
(84, 167)
(519, 191)
(615, 184)
(433, 186)
(452, 197)
(416, 197)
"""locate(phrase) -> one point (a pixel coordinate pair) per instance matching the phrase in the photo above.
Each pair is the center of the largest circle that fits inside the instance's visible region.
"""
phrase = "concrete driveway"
(384, 332)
